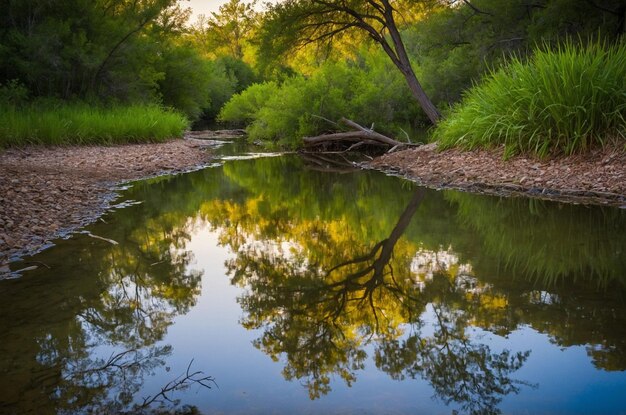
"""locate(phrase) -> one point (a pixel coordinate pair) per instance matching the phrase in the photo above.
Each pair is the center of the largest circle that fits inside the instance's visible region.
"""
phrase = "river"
(296, 288)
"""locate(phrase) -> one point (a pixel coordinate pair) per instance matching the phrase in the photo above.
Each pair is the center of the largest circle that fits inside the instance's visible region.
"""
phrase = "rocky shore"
(45, 193)
(598, 177)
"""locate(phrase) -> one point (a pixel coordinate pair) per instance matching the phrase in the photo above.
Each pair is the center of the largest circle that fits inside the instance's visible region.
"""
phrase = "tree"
(295, 23)
(142, 14)
(225, 32)
(79, 48)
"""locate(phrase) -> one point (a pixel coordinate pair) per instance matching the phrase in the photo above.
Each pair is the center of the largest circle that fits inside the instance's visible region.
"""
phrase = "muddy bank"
(598, 177)
(47, 192)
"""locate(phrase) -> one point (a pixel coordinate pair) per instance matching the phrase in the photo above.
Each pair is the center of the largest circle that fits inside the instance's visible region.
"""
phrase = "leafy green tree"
(227, 31)
(293, 23)
(186, 80)
(78, 47)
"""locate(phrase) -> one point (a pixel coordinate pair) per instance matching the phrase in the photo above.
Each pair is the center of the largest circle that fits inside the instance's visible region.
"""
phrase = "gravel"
(48, 192)
(597, 177)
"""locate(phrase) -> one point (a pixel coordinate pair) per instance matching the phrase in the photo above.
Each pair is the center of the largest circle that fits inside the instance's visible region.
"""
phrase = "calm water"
(316, 292)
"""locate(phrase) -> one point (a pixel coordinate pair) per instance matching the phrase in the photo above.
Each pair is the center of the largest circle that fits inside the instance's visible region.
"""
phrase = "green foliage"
(456, 46)
(367, 90)
(13, 93)
(79, 47)
(227, 76)
(243, 107)
(288, 26)
(112, 52)
(187, 80)
(238, 70)
(565, 100)
(227, 32)
(44, 123)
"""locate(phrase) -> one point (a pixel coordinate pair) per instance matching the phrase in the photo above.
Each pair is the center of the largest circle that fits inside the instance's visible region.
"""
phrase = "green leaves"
(369, 90)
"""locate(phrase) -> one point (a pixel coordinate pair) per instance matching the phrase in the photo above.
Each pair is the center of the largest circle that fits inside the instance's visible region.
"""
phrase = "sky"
(207, 6)
(203, 6)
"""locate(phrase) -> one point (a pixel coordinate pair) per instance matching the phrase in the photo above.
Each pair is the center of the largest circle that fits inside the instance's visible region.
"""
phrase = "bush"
(562, 101)
(44, 123)
(199, 87)
(186, 80)
(243, 107)
(367, 90)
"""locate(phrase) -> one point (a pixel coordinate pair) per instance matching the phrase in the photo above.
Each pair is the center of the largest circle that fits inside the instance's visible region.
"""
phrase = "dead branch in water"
(182, 382)
(358, 137)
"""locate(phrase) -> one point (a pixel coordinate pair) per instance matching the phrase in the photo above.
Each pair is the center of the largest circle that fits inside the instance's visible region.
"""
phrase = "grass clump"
(561, 101)
(80, 124)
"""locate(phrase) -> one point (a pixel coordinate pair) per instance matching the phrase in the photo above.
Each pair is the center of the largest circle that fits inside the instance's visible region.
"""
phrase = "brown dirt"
(47, 192)
(598, 177)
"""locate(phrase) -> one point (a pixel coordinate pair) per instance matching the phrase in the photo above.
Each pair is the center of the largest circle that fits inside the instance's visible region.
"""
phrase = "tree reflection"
(459, 370)
(96, 378)
(559, 268)
(322, 317)
(119, 298)
(547, 242)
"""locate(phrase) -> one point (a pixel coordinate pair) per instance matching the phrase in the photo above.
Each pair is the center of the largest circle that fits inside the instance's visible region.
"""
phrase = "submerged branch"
(180, 383)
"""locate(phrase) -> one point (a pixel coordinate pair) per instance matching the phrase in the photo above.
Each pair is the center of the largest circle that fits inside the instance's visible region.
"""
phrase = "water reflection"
(323, 287)
(337, 272)
(323, 313)
(96, 299)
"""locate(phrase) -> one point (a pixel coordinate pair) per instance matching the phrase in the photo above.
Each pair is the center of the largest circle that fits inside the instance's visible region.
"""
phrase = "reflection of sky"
(250, 382)
(568, 382)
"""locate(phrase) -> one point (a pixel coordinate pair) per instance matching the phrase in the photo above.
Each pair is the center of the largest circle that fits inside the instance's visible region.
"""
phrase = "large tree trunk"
(404, 64)
(418, 93)
(376, 17)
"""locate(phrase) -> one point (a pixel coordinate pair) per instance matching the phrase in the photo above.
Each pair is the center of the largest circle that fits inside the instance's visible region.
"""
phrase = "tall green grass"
(77, 123)
(561, 101)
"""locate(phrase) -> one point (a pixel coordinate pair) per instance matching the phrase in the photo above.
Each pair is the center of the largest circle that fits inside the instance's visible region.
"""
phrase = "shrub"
(564, 101)
(369, 89)
(243, 107)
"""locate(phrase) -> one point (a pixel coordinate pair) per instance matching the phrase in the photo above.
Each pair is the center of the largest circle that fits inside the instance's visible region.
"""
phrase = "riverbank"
(597, 177)
(48, 192)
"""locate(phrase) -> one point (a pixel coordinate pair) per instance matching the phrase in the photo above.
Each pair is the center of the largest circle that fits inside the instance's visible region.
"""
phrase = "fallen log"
(360, 136)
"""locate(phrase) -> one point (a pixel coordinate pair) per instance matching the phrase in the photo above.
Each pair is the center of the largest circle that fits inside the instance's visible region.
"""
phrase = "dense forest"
(540, 76)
